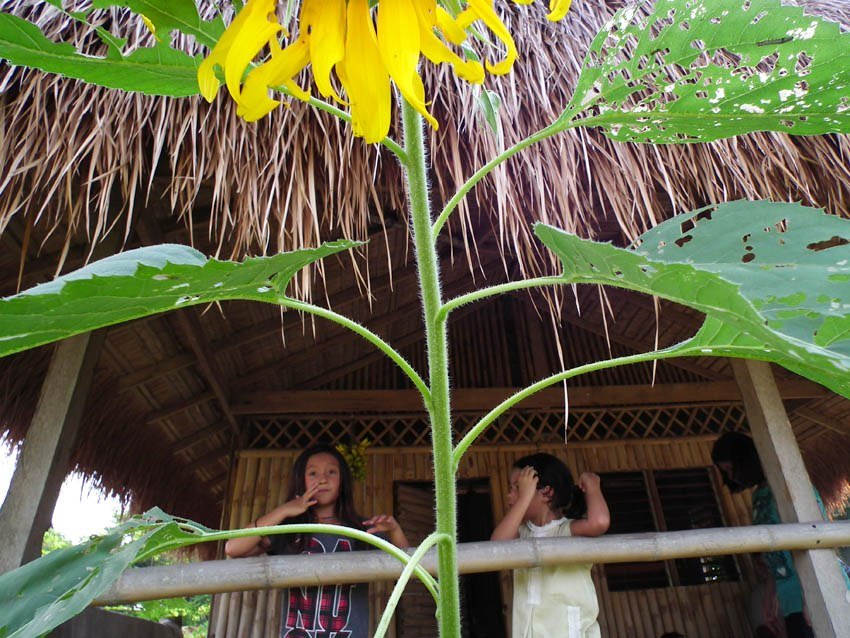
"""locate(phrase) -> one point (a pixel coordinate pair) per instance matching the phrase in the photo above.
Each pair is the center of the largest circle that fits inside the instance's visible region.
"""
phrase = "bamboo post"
(260, 572)
(819, 571)
(28, 508)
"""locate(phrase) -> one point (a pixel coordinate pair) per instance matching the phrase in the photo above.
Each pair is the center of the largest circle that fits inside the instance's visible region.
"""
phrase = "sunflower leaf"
(771, 278)
(142, 282)
(42, 594)
(489, 102)
(172, 15)
(701, 70)
(158, 70)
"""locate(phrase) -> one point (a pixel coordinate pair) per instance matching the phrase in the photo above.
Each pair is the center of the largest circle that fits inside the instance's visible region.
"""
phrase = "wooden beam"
(177, 408)
(206, 460)
(159, 369)
(181, 445)
(829, 424)
(190, 326)
(819, 571)
(482, 399)
(43, 464)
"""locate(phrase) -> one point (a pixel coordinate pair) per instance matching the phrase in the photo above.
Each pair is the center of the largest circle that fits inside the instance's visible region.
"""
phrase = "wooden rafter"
(482, 399)
(182, 445)
(190, 327)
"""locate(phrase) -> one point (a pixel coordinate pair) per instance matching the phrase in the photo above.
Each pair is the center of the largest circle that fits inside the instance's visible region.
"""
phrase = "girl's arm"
(598, 518)
(508, 529)
(256, 545)
(388, 525)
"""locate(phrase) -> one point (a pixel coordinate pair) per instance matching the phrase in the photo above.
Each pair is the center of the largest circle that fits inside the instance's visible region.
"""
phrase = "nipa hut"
(201, 411)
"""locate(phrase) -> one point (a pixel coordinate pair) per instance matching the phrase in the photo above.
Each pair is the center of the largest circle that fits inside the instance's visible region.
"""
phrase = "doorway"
(481, 598)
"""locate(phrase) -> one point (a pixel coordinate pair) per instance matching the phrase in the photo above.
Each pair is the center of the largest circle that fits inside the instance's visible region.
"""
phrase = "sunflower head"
(356, 53)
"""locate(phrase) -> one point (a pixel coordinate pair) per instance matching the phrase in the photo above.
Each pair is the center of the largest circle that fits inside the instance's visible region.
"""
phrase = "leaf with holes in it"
(773, 279)
(701, 70)
(143, 282)
(46, 592)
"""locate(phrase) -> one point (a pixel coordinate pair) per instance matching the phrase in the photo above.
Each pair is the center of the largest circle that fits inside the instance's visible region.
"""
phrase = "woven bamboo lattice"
(592, 424)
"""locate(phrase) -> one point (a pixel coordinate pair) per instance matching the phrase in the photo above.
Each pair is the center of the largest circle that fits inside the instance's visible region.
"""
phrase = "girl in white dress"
(543, 501)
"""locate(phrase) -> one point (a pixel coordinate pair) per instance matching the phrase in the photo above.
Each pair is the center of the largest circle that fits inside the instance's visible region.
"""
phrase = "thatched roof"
(153, 169)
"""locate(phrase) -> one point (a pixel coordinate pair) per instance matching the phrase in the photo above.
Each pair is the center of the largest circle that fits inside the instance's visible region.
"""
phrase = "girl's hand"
(387, 524)
(301, 503)
(527, 482)
(588, 481)
(382, 523)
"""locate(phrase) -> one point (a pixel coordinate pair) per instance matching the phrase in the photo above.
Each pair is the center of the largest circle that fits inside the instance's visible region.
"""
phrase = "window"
(664, 500)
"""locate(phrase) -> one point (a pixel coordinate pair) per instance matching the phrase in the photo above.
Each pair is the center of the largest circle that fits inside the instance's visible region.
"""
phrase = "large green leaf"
(43, 594)
(172, 15)
(143, 282)
(701, 70)
(46, 592)
(158, 70)
(773, 279)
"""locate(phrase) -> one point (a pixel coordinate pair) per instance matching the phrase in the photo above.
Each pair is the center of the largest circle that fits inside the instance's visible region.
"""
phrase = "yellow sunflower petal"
(207, 80)
(252, 37)
(362, 73)
(557, 9)
(449, 27)
(254, 101)
(150, 25)
(398, 42)
(483, 10)
(436, 51)
(324, 21)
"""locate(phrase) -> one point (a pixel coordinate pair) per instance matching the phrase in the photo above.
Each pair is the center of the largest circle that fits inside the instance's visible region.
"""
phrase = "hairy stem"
(679, 350)
(448, 607)
(367, 334)
(401, 583)
(556, 127)
(510, 286)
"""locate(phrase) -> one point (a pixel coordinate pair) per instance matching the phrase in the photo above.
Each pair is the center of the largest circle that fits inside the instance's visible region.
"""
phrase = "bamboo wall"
(704, 611)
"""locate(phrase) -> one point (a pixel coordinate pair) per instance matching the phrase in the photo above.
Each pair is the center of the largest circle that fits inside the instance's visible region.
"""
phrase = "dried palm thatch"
(298, 176)
(98, 452)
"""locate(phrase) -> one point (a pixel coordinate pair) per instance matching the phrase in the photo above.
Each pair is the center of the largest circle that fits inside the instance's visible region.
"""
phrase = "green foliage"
(42, 594)
(355, 455)
(703, 70)
(53, 540)
(193, 611)
(142, 282)
(771, 278)
(489, 102)
(168, 16)
(158, 70)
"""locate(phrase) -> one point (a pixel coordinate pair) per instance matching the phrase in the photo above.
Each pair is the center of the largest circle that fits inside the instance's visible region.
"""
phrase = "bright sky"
(80, 511)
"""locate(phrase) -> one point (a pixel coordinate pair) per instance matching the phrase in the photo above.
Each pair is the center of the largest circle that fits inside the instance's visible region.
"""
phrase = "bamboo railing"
(287, 571)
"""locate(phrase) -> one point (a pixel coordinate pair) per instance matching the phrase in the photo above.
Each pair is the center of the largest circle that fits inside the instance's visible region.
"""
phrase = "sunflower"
(366, 48)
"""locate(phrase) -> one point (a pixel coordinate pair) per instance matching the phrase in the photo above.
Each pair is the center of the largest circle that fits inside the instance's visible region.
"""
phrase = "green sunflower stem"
(436, 336)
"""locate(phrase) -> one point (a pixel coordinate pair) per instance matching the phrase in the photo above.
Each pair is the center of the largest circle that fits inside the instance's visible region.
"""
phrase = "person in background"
(544, 502)
(736, 458)
(320, 491)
